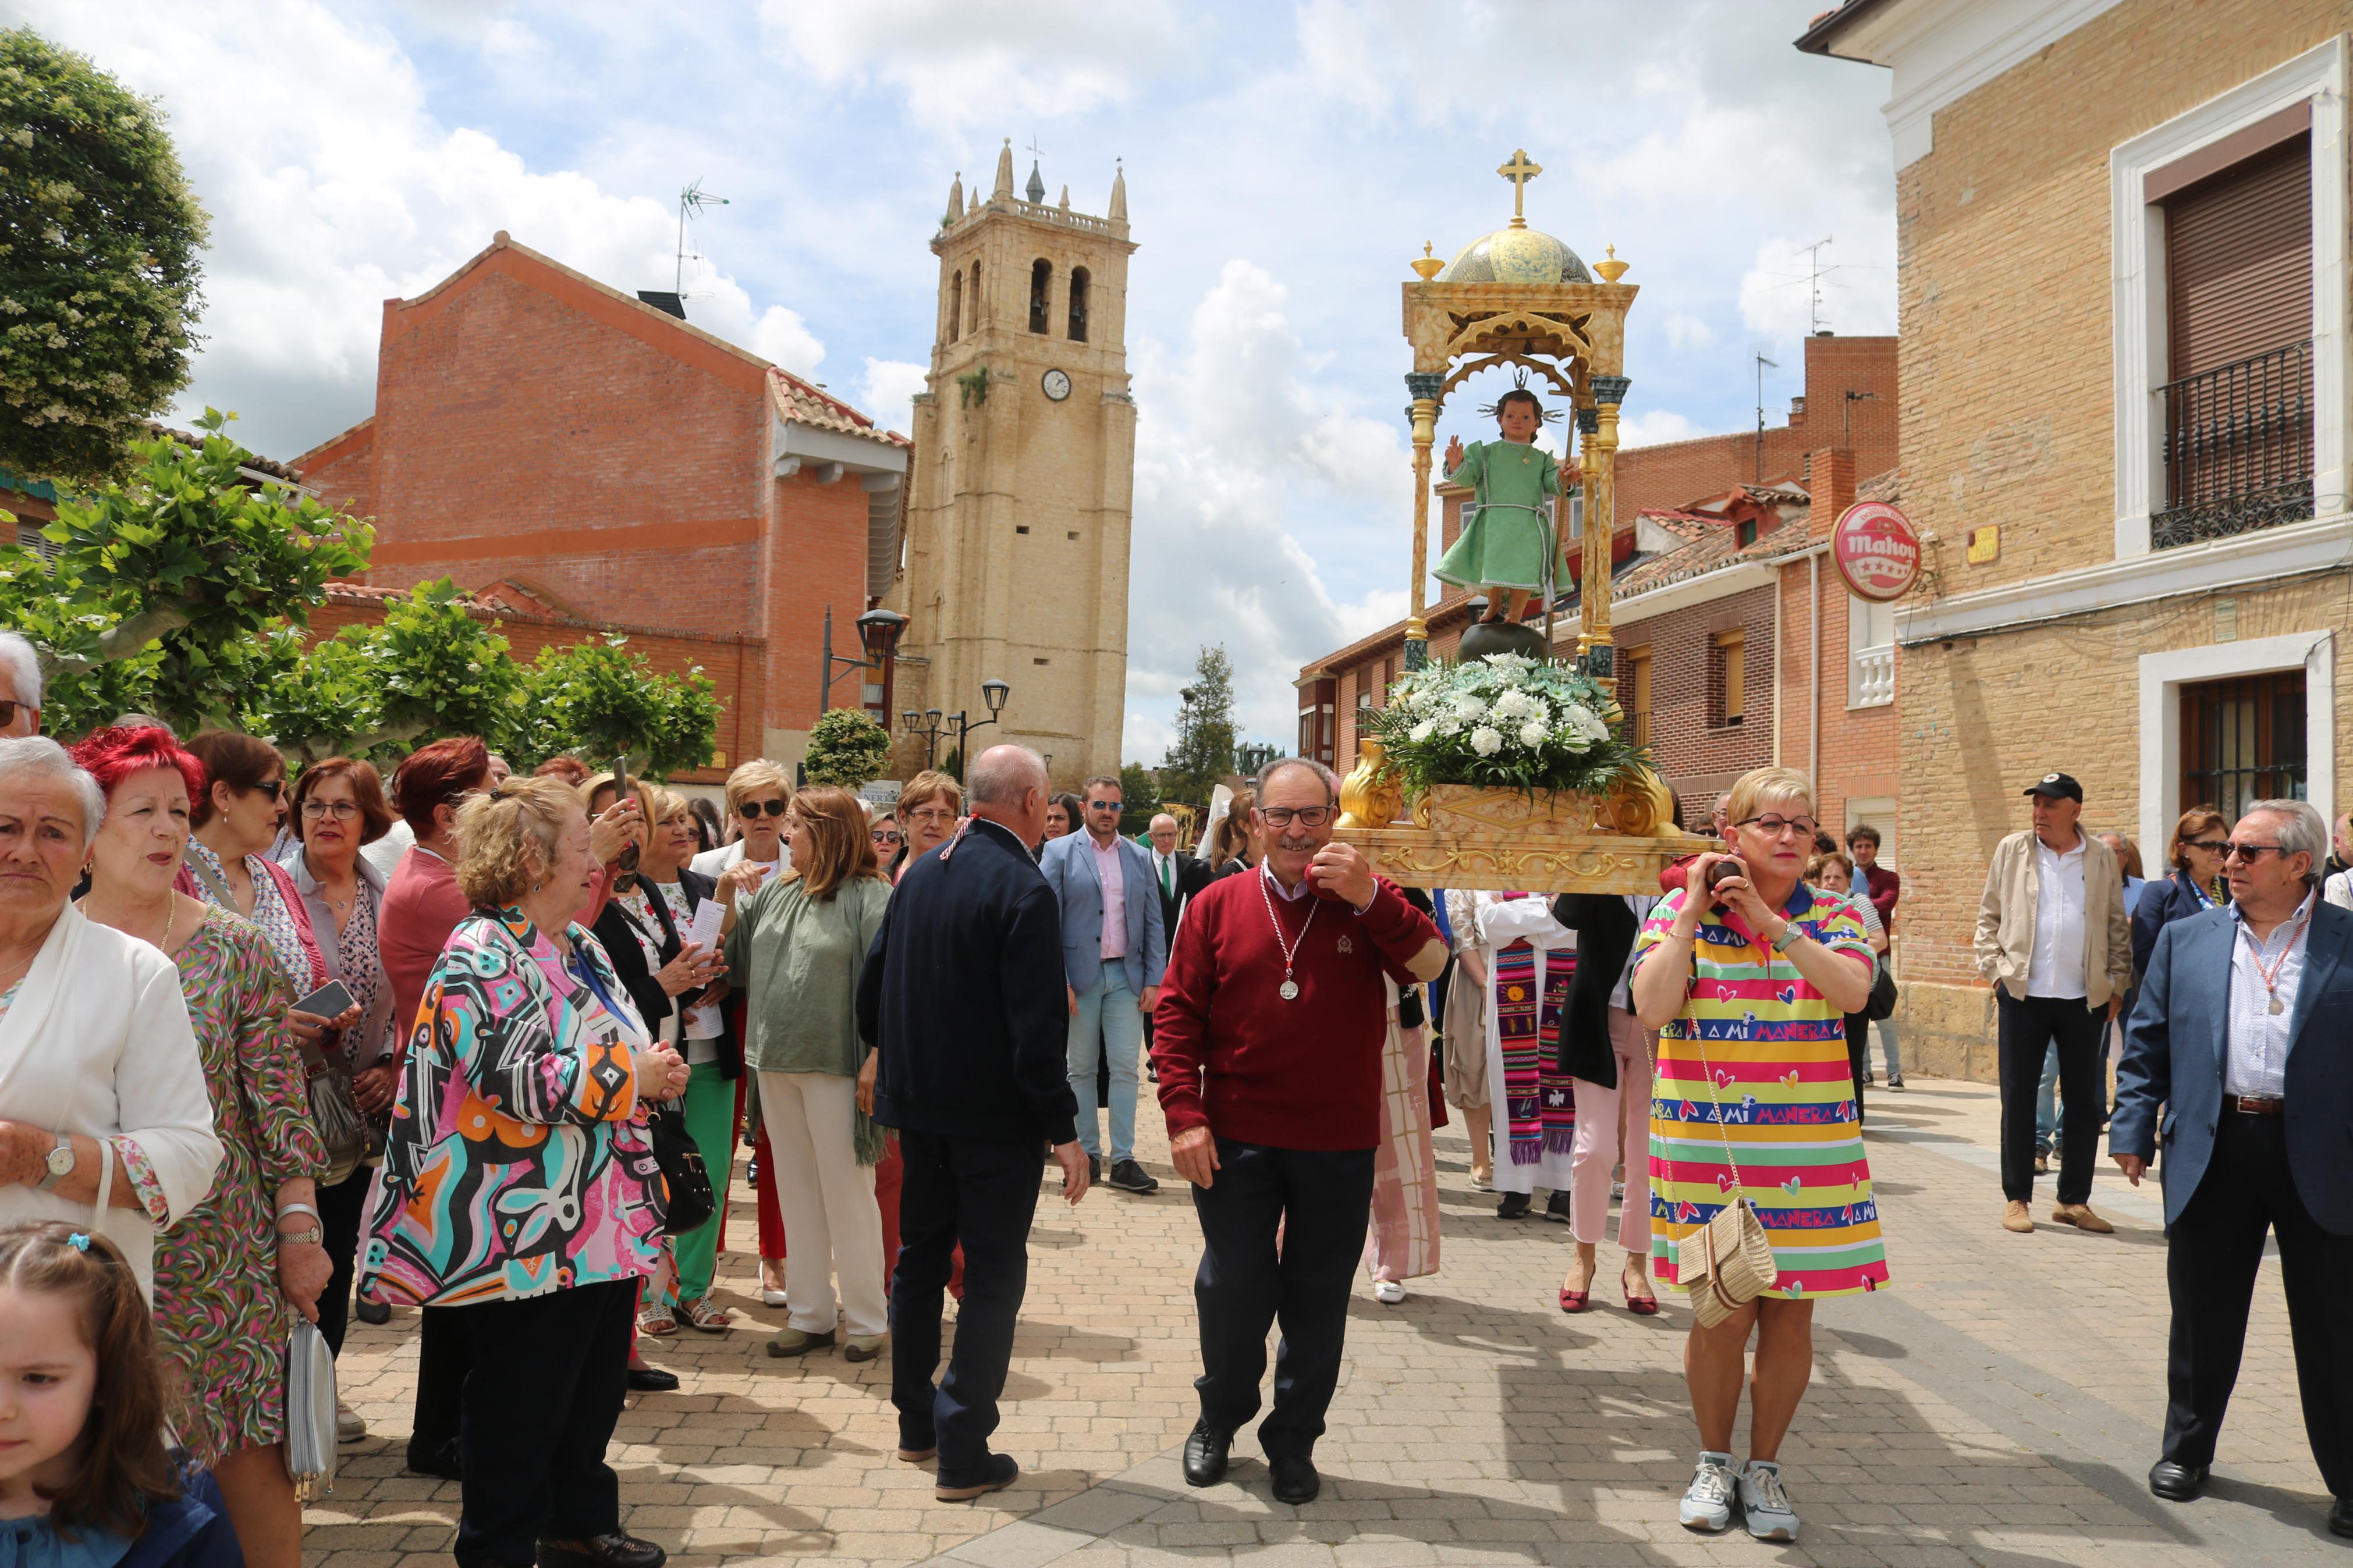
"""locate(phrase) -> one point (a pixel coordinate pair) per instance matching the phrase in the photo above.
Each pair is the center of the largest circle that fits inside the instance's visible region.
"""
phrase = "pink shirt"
(1114, 896)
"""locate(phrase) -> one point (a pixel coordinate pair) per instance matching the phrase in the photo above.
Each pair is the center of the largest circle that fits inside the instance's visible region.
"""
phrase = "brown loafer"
(2081, 1216)
(2015, 1217)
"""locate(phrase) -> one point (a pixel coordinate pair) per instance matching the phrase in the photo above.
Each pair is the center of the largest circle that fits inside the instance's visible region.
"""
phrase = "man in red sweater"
(1268, 1043)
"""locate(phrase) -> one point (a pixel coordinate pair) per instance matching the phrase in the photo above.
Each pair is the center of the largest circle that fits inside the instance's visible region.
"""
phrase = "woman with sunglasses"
(2195, 883)
(883, 831)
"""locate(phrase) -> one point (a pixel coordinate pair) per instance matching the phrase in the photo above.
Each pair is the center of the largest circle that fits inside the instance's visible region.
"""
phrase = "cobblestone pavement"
(2000, 1404)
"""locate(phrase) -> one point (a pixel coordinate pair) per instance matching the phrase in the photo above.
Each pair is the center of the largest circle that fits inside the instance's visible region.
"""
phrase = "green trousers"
(711, 1122)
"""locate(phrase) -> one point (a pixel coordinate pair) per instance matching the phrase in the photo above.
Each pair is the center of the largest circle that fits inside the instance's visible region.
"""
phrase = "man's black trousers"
(549, 1377)
(2216, 1248)
(1322, 1202)
(2027, 1029)
(981, 1195)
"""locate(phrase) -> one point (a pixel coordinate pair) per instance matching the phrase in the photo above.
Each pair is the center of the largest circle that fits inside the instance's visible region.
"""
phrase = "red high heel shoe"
(1640, 1306)
(1574, 1300)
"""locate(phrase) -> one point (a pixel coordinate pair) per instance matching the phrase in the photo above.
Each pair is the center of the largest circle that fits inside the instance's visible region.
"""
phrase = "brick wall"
(733, 664)
(2005, 264)
(1697, 755)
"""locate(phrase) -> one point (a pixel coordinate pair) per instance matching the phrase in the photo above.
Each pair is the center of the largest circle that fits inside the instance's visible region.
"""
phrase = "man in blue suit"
(2243, 1041)
(1115, 948)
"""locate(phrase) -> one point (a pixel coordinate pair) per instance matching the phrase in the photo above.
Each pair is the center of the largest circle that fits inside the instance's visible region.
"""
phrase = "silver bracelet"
(286, 1209)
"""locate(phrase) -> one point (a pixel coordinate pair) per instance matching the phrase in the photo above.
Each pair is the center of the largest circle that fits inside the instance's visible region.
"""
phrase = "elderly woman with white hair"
(104, 1118)
(20, 687)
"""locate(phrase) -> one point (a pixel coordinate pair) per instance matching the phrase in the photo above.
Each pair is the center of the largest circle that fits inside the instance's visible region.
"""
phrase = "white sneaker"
(1707, 1501)
(1387, 1293)
(1764, 1504)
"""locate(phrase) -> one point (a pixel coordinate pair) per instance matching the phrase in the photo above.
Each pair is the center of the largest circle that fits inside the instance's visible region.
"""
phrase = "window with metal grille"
(2243, 740)
(2238, 409)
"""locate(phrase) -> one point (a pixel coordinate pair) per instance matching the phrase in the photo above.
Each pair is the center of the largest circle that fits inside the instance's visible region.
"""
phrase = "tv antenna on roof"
(1761, 363)
(1814, 283)
(691, 200)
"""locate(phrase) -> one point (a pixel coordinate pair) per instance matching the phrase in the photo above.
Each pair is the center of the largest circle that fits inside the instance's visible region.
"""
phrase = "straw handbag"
(1735, 1256)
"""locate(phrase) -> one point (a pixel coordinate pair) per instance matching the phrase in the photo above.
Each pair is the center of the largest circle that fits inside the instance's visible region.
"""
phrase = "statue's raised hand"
(1453, 453)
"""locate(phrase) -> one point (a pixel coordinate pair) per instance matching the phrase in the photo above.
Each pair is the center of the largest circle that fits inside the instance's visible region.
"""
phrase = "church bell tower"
(1019, 513)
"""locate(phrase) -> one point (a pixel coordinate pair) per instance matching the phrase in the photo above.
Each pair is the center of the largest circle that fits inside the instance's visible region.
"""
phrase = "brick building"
(616, 465)
(1737, 644)
(2122, 232)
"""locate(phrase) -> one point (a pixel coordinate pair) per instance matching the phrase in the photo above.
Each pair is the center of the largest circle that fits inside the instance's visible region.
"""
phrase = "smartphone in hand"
(329, 1001)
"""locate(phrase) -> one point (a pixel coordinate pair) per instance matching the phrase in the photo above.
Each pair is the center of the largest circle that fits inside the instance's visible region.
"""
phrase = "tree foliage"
(180, 573)
(1203, 753)
(98, 243)
(600, 700)
(1140, 798)
(847, 748)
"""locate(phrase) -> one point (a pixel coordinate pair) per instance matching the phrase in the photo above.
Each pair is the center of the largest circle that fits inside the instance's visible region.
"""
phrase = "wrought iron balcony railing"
(2237, 447)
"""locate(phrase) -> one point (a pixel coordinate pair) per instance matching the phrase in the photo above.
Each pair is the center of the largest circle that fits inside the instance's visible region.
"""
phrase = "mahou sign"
(1876, 550)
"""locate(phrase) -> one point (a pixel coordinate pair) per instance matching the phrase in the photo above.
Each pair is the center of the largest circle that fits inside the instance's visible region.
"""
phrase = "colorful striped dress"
(1776, 1054)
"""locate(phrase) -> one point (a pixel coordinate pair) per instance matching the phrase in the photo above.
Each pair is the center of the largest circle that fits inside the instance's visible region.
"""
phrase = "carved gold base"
(1504, 860)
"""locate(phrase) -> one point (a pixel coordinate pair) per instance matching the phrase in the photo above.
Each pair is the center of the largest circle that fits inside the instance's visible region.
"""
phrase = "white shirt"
(2055, 965)
(386, 852)
(2254, 1060)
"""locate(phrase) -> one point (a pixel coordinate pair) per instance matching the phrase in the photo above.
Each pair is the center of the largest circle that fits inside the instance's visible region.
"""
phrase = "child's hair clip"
(79, 1241)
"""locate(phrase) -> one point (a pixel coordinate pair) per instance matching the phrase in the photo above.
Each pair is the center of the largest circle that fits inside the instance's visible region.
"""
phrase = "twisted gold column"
(1600, 508)
(1424, 432)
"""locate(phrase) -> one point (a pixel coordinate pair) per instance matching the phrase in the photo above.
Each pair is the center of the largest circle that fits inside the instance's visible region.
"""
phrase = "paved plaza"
(1999, 1405)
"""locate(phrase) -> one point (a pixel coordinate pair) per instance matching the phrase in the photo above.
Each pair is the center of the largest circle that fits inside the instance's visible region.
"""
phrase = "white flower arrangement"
(1505, 720)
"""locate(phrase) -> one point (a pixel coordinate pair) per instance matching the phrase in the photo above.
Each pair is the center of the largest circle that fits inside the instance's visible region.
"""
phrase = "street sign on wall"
(1876, 550)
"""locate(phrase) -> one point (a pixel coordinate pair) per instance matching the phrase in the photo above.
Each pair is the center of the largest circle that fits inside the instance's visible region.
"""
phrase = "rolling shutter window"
(2239, 260)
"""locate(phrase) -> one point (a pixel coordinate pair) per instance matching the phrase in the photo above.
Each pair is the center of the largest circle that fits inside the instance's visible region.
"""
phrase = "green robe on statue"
(1502, 541)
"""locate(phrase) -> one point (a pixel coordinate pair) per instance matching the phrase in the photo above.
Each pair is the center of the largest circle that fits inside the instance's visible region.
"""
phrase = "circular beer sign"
(1876, 550)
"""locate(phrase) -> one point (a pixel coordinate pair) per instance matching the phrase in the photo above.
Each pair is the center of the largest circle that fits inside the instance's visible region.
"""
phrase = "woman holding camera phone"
(1749, 989)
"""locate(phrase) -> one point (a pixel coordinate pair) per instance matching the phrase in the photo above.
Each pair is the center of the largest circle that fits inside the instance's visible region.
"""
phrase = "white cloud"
(1686, 331)
(885, 390)
(1651, 427)
(782, 337)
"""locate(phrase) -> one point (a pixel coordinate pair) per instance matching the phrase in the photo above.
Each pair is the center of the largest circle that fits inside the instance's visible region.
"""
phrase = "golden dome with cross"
(1516, 254)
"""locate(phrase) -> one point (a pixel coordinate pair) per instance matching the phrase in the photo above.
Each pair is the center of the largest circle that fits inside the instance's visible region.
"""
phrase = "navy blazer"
(2175, 1045)
(1069, 867)
(957, 995)
(2163, 900)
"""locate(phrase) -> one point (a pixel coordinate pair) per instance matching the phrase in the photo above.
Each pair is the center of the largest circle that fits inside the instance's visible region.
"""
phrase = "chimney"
(1832, 474)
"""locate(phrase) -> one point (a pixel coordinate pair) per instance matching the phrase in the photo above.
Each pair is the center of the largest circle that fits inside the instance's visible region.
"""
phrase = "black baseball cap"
(2058, 786)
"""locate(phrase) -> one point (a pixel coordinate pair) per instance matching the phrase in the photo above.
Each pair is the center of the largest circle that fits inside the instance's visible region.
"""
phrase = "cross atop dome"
(1520, 171)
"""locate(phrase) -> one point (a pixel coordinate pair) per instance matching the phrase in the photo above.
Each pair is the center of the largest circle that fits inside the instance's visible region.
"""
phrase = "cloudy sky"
(1286, 158)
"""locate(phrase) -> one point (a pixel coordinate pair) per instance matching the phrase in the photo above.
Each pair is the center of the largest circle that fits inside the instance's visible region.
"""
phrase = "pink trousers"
(1603, 1116)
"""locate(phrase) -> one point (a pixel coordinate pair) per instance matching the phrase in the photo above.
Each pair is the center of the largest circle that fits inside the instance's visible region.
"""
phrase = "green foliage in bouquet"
(1501, 722)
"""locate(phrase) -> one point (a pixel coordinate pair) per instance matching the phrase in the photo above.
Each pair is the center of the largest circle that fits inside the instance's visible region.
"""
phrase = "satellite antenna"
(1761, 363)
(1814, 283)
(690, 202)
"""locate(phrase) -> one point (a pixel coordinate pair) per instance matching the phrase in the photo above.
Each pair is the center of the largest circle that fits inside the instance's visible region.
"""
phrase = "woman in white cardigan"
(103, 1098)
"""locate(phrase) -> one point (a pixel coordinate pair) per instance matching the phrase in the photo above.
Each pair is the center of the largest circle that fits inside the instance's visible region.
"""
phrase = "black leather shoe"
(1556, 1209)
(1513, 1207)
(1206, 1449)
(614, 1551)
(2340, 1517)
(1129, 1177)
(2178, 1483)
(1094, 1169)
(377, 1312)
(434, 1459)
(651, 1380)
(1296, 1480)
(1001, 1474)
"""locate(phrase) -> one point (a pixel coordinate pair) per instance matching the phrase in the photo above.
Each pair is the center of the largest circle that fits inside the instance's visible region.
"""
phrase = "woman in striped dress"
(1750, 996)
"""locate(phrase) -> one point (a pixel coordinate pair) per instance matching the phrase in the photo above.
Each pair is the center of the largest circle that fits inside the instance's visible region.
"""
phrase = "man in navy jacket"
(962, 994)
(2242, 1040)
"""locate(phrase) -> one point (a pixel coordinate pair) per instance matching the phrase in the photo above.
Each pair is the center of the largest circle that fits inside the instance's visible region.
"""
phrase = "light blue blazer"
(1069, 864)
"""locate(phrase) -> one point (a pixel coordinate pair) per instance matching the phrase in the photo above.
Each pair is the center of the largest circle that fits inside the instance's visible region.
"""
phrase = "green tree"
(98, 243)
(1204, 749)
(847, 748)
(429, 670)
(601, 701)
(184, 571)
(1140, 798)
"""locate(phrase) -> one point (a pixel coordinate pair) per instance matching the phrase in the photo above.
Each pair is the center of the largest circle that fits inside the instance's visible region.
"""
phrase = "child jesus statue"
(1503, 544)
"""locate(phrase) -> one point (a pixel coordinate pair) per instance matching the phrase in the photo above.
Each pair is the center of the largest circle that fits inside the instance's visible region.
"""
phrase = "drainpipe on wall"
(1814, 673)
(1779, 702)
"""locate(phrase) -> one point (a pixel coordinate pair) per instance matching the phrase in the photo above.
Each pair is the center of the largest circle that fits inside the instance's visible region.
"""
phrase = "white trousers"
(832, 1226)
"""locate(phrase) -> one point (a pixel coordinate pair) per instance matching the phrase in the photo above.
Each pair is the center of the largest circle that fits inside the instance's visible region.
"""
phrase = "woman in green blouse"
(794, 948)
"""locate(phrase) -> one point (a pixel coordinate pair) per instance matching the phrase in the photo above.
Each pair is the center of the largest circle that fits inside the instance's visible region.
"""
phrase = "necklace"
(1289, 989)
(2271, 976)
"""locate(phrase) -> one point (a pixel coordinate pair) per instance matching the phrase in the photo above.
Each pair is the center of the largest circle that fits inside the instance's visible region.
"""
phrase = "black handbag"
(692, 1201)
(1881, 1005)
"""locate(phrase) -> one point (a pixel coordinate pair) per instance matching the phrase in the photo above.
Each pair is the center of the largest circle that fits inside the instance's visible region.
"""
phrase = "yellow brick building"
(1016, 559)
(2123, 285)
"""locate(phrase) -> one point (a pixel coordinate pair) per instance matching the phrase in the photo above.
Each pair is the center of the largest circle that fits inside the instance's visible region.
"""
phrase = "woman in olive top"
(794, 948)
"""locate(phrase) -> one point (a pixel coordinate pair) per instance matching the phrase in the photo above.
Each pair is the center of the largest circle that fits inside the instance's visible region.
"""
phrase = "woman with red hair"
(232, 1274)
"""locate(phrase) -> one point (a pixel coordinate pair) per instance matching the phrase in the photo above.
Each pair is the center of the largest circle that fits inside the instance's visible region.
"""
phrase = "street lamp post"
(932, 724)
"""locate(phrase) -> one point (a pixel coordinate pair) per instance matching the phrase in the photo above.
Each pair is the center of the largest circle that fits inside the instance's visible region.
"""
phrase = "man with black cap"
(2055, 940)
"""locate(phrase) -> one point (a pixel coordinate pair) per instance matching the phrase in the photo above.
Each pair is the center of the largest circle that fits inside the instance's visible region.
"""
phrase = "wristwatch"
(312, 1235)
(60, 1161)
(1789, 933)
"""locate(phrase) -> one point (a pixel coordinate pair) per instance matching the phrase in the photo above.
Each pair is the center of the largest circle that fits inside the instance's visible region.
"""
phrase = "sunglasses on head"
(752, 810)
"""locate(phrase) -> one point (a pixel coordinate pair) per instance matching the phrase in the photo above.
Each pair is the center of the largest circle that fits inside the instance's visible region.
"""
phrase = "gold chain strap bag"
(1734, 1254)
